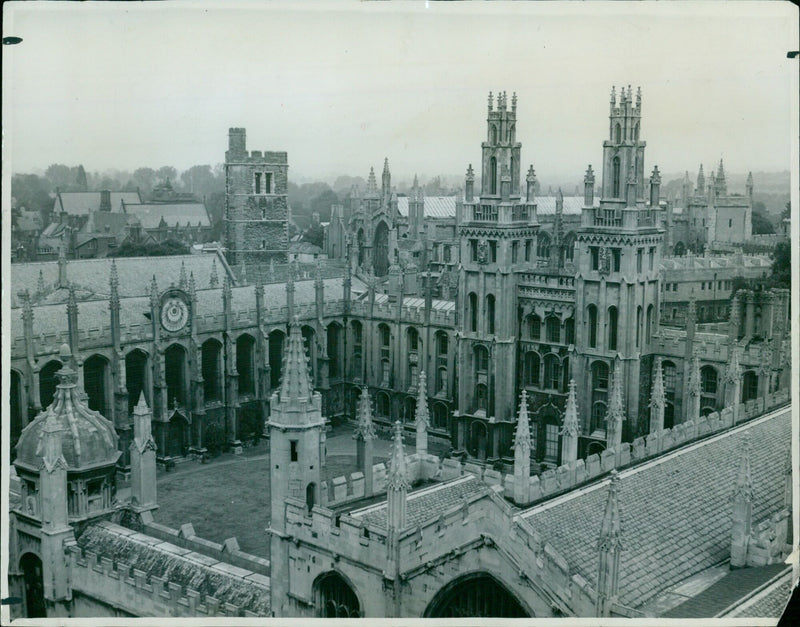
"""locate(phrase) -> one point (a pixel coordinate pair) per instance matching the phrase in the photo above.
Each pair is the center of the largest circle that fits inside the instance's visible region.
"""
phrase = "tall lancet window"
(615, 178)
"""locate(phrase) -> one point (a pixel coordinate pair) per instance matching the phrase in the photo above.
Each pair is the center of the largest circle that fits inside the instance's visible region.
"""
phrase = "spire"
(52, 447)
(613, 97)
(153, 292)
(182, 279)
(609, 546)
(62, 266)
(397, 477)
(143, 459)
(296, 381)
(422, 418)
(192, 287)
(522, 434)
(571, 424)
(213, 280)
(701, 181)
(40, 284)
(733, 371)
(616, 411)
(657, 399)
(638, 97)
(742, 506)
(365, 429)
(227, 294)
(743, 488)
(372, 184)
(142, 432)
(694, 389)
(386, 176)
(491, 101)
(113, 282)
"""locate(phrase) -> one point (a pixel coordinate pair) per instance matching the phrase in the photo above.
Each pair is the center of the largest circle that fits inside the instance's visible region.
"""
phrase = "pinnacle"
(397, 478)
(141, 407)
(610, 529)
(296, 381)
(522, 435)
(571, 424)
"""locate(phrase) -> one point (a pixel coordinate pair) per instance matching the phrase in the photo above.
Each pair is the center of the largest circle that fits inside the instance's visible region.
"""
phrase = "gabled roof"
(81, 203)
(182, 214)
(675, 509)
(427, 503)
(107, 223)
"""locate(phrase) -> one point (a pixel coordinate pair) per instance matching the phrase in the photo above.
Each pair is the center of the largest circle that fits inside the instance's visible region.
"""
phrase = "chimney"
(105, 200)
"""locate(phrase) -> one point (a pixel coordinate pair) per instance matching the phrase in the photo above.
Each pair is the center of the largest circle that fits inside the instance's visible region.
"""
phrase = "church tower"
(495, 228)
(618, 255)
(295, 426)
(256, 203)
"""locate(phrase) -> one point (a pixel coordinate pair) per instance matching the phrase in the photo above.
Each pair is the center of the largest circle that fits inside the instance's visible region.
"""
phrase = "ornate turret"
(422, 418)
(701, 182)
(372, 184)
(571, 429)
(364, 435)
(609, 546)
(658, 399)
(469, 184)
(522, 452)
(588, 187)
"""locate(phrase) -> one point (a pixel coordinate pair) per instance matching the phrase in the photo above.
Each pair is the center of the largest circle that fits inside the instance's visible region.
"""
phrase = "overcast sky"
(341, 86)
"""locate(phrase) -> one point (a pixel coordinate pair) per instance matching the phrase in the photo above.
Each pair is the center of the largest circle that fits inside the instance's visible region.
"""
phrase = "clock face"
(174, 314)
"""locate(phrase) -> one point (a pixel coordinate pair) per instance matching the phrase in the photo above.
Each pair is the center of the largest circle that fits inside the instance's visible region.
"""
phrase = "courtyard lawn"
(228, 497)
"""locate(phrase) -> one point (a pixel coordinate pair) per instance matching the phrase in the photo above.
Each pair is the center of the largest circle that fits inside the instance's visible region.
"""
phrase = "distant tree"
(200, 180)
(60, 176)
(314, 234)
(760, 220)
(166, 172)
(782, 266)
(81, 183)
(32, 192)
(167, 247)
(109, 183)
(323, 202)
(144, 179)
(343, 184)
(787, 212)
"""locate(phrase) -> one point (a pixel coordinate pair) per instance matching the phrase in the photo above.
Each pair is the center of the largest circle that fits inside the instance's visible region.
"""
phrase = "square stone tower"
(256, 204)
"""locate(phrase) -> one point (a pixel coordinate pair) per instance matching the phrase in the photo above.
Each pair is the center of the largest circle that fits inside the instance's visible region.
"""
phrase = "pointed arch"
(97, 383)
(474, 595)
(211, 360)
(493, 175)
(137, 377)
(48, 382)
(336, 597)
(381, 249)
(245, 363)
(175, 374)
(275, 356)
(615, 177)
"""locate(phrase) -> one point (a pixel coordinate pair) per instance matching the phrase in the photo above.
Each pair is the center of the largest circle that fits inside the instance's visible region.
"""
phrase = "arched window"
(334, 343)
(175, 374)
(615, 177)
(534, 326)
(532, 363)
(382, 404)
(475, 595)
(481, 398)
(670, 379)
(553, 329)
(490, 314)
(569, 246)
(275, 358)
(493, 176)
(543, 245)
(385, 336)
(32, 573)
(311, 489)
(334, 598)
(708, 389)
(591, 314)
(599, 394)
(212, 370)
(552, 372)
(494, 134)
(441, 380)
(481, 360)
(612, 328)
(440, 416)
(638, 324)
(569, 330)
(409, 409)
(48, 382)
(245, 363)
(749, 386)
(617, 133)
(648, 324)
(679, 249)
(136, 377)
(472, 311)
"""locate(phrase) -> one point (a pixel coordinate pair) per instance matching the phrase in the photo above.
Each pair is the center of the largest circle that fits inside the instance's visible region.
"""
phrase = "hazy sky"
(342, 85)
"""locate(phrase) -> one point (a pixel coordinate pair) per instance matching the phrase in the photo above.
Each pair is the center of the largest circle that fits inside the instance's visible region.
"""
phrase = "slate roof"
(115, 223)
(434, 206)
(546, 205)
(150, 214)
(675, 510)
(770, 603)
(210, 577)
(427, 503)
(135, 273)
(81, 203)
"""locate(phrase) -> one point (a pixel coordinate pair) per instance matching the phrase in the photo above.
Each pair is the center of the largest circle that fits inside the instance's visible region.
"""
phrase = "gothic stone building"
(575, 333)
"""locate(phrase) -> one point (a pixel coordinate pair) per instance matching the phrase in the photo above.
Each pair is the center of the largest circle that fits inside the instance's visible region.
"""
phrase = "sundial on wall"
(174, 311)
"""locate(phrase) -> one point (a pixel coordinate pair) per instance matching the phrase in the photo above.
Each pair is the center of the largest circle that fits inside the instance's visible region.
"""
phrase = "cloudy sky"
(342, 85)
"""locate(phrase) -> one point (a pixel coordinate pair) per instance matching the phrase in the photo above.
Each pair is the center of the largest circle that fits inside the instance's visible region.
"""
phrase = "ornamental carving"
(483, 252)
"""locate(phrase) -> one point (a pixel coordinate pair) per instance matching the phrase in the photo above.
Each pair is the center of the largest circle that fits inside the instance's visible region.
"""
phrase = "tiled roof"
(81, 203)
(675, 510)
(99, 220)
(150, 214)
(427, 503)
(770, 603)
(546, 205)
(227, 583)
(435, 206)
(135, 273)
(736, 585)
